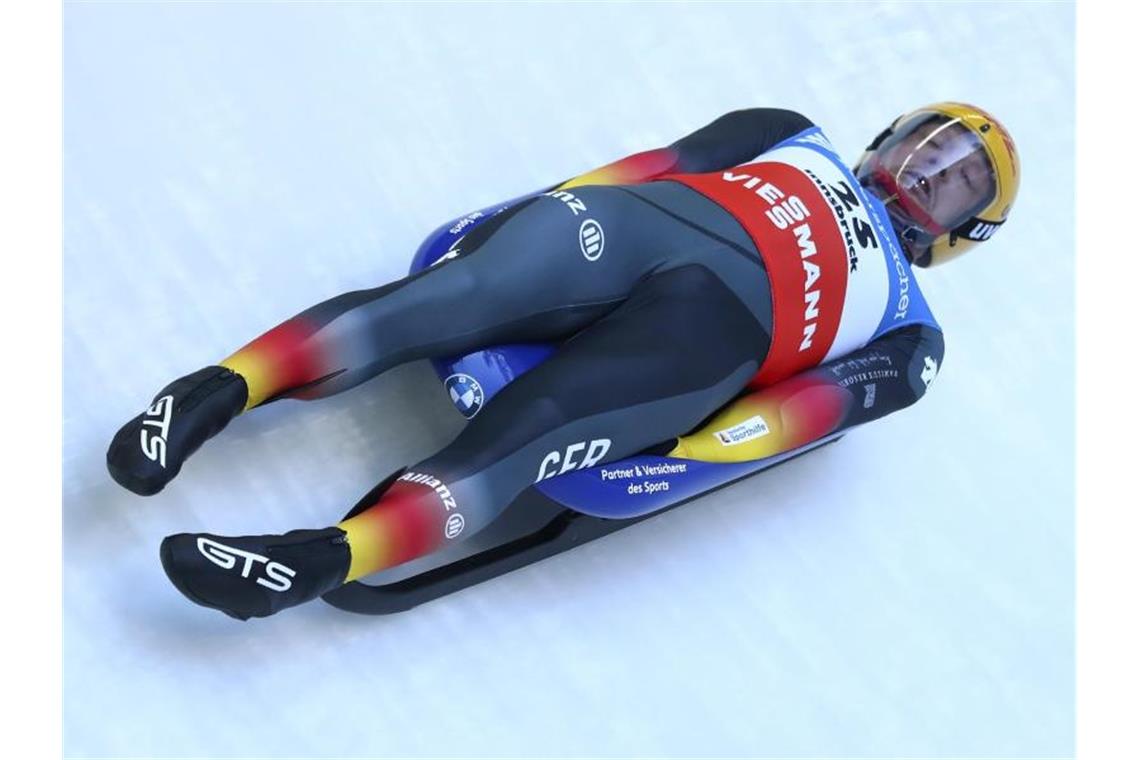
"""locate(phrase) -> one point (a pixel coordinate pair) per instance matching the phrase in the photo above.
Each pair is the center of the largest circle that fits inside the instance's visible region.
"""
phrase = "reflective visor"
(938, 171)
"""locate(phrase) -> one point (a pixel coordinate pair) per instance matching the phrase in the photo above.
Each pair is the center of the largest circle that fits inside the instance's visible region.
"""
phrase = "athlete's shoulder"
(811, 136)
(784, 119)
(790, 148)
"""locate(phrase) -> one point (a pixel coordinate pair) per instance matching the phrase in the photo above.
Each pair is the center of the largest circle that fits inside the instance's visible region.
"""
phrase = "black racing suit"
(668, 323)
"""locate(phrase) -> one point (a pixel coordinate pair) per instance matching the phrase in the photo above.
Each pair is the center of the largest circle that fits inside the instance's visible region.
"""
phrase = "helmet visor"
(938, 171)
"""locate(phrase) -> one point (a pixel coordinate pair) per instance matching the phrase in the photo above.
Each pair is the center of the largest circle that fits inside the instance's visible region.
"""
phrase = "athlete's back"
(837, 273)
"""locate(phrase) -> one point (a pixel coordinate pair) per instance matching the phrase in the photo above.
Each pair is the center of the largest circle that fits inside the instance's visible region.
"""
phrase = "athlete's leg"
(524, 276)
(680, 347)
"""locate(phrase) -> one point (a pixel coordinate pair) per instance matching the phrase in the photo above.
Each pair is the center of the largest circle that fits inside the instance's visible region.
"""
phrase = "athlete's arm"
(735, 138)
(887, 375)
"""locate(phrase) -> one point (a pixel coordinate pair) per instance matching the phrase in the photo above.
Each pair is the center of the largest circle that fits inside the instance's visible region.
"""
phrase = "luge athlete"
(744, 263)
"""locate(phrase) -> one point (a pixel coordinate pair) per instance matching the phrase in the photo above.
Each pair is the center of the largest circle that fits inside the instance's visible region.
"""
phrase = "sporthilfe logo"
(154, 444)
(591, 239)
(278, 576)
(750, 429)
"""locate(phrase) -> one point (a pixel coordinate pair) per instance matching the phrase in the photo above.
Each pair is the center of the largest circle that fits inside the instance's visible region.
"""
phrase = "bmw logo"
(465, 393)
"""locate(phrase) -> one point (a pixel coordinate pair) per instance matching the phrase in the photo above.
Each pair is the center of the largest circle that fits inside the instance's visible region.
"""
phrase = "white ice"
(908, 591)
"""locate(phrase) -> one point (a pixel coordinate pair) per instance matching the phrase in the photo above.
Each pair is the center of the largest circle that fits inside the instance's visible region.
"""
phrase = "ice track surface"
(908, 591)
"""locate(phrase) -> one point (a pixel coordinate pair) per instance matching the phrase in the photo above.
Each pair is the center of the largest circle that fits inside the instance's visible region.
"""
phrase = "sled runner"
(535, 526)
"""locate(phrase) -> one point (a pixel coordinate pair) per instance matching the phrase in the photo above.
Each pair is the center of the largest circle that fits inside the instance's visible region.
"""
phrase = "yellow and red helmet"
(948, 174)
